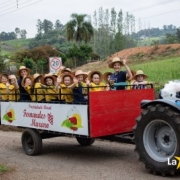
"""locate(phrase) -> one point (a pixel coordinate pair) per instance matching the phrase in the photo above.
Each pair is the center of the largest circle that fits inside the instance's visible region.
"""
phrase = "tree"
(81, 53)
(178, 34)
(23, 34)
(17, 31)
(39, 27)
(47, 26)
(79, 29)
(29, 63)
(58, 25)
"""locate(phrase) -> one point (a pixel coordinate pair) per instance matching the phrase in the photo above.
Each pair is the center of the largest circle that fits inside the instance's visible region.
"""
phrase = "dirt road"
(63, 158)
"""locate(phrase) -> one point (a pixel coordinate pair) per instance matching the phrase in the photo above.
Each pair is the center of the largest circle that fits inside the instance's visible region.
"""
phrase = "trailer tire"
(85, 141)
(31, 142)
(157, 137)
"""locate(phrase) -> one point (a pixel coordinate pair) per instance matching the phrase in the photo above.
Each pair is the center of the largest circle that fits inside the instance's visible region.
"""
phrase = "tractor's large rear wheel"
(157, 139)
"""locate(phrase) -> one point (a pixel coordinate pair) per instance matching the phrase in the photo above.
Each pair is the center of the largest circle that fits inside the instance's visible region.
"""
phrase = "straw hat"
(66, 74)
(140, 72)
(114, 60)
(36, 75)
(23, 67)
(48, 76)
(65, 70)
(95, 72)
(60, 70)
(105, 75)
(23, 81)
(80, 72)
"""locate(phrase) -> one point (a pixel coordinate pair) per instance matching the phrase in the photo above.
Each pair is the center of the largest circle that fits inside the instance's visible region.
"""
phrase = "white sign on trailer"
(65, 118)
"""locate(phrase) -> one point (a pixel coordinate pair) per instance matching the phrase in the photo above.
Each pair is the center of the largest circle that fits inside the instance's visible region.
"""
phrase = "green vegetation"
(3, 168)
(11, 46)
(161, 71)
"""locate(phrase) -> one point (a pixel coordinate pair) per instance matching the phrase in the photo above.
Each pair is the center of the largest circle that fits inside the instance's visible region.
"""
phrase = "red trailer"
(108, 115)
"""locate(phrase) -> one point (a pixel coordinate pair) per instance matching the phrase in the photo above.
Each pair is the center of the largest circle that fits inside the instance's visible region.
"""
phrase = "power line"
(6, 2)
(14, 6)
(161, 14)
(20, 8)
(152, 6)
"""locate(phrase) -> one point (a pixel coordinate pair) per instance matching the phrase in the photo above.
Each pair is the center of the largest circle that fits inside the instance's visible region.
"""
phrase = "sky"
(25, 13)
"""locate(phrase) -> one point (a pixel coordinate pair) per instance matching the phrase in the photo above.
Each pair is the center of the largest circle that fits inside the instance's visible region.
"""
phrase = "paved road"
(63, 158)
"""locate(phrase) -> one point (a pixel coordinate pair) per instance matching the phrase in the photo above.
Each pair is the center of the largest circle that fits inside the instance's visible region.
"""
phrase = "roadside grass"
(3, 169)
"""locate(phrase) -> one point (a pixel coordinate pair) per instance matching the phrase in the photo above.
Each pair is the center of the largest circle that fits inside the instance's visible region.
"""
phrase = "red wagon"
(108, 115)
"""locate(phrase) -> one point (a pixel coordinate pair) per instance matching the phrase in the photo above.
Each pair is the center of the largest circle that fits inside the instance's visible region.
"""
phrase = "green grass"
(3, 168)
(13, 45)
(161, 71)
(149, 41)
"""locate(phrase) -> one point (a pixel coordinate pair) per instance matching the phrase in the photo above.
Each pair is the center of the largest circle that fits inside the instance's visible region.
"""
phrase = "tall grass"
(161, 71)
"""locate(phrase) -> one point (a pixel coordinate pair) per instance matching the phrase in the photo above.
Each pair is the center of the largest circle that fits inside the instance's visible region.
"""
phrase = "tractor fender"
(168, 102)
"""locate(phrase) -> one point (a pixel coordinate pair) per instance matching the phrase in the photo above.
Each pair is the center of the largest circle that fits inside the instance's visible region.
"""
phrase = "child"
(119, 76)
(38, 90)
(4, 86)
(130, 81)
(139, 80)
(49, 87)
(13, 89)
(95, 81)
(65, 84)
(27, 85)
(80, 90)
(107, 76)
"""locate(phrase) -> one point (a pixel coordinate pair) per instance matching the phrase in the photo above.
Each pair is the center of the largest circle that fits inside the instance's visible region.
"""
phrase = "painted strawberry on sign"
(9, 116)
(73, 121)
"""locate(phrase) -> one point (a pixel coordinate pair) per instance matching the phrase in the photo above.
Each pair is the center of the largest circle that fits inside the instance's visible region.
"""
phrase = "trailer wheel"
(31, 142)
(157, 139)
(85, 141)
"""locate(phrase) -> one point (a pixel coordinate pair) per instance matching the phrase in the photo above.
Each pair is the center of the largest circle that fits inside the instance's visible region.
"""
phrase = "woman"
(22, 73)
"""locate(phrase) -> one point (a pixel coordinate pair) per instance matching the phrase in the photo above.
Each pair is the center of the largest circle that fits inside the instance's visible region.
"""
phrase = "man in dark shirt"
(119, 76)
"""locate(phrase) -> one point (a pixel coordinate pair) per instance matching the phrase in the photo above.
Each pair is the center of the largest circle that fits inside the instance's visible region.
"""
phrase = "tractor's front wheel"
(157, 139)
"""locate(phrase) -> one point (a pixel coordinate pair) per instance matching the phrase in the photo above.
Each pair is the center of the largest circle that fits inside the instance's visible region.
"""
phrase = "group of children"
(67, 86)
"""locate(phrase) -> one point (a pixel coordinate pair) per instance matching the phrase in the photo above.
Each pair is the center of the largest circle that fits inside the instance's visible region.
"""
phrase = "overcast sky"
(24, 15)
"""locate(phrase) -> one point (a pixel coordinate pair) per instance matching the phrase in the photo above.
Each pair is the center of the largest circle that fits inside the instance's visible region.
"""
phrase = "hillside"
(137, 55)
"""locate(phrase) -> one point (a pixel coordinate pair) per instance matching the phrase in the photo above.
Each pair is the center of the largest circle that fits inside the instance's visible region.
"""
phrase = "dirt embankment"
(135, 55)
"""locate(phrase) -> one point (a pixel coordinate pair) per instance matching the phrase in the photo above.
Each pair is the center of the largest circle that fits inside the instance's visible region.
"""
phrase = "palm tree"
(79, 29)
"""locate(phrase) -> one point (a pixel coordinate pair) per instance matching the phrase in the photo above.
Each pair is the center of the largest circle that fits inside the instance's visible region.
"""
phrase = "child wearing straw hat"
(48, 83)
(65, 85)
(4, 86)
(23, 72)
(119, 76)
(80, 90)
(139, 80)
(130, 81)
(106, 77)
(13, 88)
(94, 81)
(27, 85)
(38, 90)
